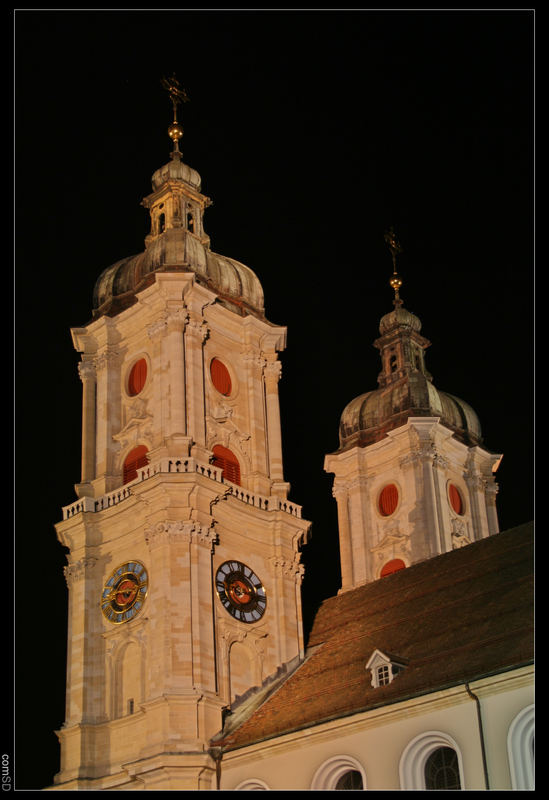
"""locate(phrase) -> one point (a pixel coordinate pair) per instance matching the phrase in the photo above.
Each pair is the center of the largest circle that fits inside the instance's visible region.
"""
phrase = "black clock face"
(240, 591)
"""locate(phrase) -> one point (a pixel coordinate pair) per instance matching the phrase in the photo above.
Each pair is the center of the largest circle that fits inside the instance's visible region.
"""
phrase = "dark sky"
(313, 131)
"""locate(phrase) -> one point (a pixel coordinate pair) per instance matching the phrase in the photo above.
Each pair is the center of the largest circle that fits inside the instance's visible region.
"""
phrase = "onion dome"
(177, 241)
(405, 387)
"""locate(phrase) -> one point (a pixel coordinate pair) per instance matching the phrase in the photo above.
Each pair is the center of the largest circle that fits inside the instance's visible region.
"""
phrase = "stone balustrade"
(182, 465)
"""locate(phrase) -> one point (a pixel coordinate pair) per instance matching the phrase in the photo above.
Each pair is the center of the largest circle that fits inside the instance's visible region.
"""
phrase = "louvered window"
(221, 378)
(394, 565)
(228, 462)
(388, 500)
(455, 499)
(137, 377)
(136, 459)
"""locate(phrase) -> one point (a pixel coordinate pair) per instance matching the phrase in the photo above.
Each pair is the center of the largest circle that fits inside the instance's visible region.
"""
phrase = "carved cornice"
(157, 329)
(198, 329)
(272, 371)
(76, 571)
(180, 531)
(289, 567)
(177, 320)
(107, 359)
(87, 370)
(256, 362)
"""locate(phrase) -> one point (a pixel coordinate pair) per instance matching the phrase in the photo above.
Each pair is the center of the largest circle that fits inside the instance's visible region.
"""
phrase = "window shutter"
(135, 459)
(221, 378)
(138, 376)
(394, 565)
(455, 499)
(388, 500)
(228, 462)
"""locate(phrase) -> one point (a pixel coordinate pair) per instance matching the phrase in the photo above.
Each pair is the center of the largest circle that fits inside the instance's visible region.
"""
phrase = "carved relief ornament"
(177, 531)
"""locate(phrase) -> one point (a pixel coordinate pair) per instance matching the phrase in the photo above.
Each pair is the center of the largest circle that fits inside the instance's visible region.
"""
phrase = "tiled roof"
(451, 619)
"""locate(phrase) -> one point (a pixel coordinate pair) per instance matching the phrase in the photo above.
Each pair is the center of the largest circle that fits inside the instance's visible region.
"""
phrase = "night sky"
(313, 131)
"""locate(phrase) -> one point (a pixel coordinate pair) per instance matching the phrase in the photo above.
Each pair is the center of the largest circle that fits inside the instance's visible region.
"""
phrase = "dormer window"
(384, 668)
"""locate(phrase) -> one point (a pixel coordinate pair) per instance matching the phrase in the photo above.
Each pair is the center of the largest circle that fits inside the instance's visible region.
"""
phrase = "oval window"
(394, 565)
(388, 500)
(221, 378)
(456, 500)
(135, 459)
(137, 377)
(228, 462)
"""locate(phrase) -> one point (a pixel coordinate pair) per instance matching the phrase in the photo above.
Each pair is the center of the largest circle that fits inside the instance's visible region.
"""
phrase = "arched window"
(394, 565)
(137, 377)
(135, 459)
(339, 772)
(520, 746)
(228, 462)
(252, 785)
(352, 779)
(441, 769)
(421, 762)
(388, 500)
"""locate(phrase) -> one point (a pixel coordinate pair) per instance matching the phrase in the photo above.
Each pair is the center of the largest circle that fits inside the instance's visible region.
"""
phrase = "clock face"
(124, 592)
(240, 591)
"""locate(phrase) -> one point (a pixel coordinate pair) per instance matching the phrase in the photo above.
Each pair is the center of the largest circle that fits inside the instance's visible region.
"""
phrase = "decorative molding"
(109, 358)
(272, 371)
(87, 370)
(288, 567)
(137, 427)
(459, 535)
(157, 329)
(77, 570)
(198, 329)
(390, 537)
(178, 531)
(177, 319)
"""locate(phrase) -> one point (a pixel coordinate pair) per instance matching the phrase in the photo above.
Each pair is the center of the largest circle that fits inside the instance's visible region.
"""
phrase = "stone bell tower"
(184, 566)
(412, 478)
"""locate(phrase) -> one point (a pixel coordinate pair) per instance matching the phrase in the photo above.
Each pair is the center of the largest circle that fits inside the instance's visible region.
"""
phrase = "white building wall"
(377, 740)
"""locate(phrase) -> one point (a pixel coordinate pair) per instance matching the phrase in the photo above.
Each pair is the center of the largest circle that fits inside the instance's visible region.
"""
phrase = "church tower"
(184, 566)
(412, 479)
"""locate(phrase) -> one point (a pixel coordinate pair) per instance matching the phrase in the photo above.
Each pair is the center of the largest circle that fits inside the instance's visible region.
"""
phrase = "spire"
(395, 248)
(177, 95)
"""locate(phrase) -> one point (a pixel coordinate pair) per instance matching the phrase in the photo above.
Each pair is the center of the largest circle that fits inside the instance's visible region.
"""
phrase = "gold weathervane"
(395, 248)
(177, 95)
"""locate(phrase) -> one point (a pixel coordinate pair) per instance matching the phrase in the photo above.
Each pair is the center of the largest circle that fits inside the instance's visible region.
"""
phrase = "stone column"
(256, 413)
(79, 581)
(108, 419)
(86, 370)
(177, 423)
(196, 333)
(271, 372)
(341, 494)
(491, 510)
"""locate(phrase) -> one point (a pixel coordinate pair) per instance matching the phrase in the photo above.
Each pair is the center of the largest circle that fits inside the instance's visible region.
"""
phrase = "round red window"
(388, 500)
(221, 378)
(456, 500)
(137, 377)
